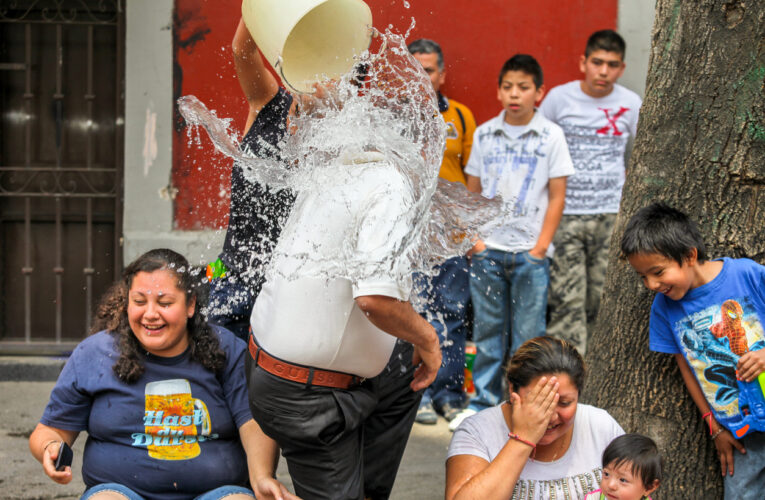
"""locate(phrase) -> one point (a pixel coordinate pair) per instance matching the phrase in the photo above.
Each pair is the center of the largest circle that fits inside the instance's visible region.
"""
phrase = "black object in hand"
(64, 457)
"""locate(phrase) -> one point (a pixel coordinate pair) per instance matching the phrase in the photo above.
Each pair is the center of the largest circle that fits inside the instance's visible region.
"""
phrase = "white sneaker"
(460, 417)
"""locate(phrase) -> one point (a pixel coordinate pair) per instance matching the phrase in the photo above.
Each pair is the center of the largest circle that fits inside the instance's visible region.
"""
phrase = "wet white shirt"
(345, 238)
(518, 164)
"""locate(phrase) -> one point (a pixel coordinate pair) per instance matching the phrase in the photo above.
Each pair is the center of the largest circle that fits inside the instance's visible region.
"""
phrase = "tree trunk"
(700, 147)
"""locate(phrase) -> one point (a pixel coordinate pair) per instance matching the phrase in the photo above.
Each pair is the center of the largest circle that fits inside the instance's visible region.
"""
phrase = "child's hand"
(725, 442)
(751, 364)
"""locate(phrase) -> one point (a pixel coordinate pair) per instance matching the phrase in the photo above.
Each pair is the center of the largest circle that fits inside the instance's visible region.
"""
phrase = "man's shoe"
(457, 420)
(450, 412)
(426, 414)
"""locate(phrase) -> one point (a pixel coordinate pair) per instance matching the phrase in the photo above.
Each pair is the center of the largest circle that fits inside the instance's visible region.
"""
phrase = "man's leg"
(387, 428)
(529, 281)
(449, 299)
(568, 284)
(319, 430)
(489, 291)
(599, 231)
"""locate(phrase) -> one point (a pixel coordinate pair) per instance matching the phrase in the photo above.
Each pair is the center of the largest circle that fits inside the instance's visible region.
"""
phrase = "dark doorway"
(61, 162)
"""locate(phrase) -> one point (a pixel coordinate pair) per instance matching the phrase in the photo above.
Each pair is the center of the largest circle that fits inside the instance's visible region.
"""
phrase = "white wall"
(148, 211)
(635, 24)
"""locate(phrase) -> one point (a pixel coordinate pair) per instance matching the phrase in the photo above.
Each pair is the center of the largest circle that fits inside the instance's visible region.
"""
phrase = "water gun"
(751, 401)
(216, 270)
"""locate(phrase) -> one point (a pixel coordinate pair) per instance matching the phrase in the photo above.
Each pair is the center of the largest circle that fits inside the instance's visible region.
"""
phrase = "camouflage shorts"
(577, 274)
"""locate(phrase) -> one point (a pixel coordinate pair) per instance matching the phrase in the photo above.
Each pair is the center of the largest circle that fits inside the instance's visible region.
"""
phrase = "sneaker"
(426, 415)
(457, 420)
(449, 411)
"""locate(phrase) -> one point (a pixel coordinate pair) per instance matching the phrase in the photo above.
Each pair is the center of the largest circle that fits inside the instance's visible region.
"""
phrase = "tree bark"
(700, 147)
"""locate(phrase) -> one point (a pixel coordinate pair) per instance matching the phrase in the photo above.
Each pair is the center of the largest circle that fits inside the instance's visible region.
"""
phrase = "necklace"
(564, 441)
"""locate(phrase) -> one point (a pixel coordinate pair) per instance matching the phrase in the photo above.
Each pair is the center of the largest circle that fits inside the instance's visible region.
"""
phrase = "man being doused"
(328, 379)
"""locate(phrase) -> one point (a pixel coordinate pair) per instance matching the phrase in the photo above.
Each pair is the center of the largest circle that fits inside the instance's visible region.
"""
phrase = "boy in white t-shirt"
(523, 157)
(599, 117)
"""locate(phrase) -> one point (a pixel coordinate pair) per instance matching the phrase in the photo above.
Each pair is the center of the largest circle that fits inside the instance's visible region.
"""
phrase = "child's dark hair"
(545, 356)
(111, 315)
(608, 40)
(640, 453)
(526, 64)
(659, 228)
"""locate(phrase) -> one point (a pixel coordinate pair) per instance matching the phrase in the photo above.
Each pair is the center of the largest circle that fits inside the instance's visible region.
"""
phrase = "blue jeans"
(216, 494)
(448, 299)
(509, 293)
(748, 479)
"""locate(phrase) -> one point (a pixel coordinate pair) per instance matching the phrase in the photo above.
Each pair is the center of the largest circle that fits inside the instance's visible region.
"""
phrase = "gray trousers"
(577, 274)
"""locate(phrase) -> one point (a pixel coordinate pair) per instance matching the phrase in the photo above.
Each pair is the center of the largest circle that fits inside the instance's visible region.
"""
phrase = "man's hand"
(429, 362)
(751, 364)
(478, 247)
(538, 252)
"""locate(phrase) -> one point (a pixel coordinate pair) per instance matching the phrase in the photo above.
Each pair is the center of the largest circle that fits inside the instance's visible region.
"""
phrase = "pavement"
(26, 382)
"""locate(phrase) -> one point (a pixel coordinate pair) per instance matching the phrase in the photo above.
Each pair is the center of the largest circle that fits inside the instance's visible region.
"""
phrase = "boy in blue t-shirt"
(709, 314)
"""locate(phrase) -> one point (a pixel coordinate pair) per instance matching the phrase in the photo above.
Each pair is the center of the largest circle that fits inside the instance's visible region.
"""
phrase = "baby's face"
(619, 483)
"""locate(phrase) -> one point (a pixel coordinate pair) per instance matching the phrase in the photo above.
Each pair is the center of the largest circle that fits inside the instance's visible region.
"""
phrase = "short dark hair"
(608, 40)
(545, 356)
(525, 63)
(638, 451)
(661, 229)
(427, 46)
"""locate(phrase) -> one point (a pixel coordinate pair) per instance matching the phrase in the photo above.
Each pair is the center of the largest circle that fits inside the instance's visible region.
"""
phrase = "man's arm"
(399, 319)
(257, 82)
(557, 200)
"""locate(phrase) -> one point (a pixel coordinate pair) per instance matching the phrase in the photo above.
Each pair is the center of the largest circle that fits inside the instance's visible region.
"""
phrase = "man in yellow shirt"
(448, 292)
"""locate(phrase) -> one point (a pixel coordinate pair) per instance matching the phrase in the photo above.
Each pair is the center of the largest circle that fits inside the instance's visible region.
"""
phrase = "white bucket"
(309, 40)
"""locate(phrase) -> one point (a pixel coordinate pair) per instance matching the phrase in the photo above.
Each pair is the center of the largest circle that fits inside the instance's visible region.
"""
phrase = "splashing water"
(344, 131)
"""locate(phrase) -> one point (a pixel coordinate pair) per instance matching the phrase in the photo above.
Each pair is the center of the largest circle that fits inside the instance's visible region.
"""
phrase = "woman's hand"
(49, 456)
(269, 488)
(725, 442)
(529, 418)
(44, 444)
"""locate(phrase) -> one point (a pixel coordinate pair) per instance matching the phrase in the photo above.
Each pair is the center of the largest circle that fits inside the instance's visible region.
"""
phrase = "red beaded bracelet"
(519, 438)
(704, 417)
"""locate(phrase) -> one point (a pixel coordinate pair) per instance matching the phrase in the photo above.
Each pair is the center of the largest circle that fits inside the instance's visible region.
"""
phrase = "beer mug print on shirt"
(174, 422)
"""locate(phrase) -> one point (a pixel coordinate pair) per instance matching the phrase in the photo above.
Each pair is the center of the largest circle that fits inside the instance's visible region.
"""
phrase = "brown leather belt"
(300, 374)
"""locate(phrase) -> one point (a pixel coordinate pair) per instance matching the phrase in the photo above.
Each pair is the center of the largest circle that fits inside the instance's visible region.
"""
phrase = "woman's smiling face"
(158, 312)
(563, 417)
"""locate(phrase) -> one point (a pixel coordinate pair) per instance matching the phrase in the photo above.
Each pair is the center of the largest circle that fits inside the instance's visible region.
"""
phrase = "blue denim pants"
(509, 293)
(448, 299)
(216, 494)
(748, 479)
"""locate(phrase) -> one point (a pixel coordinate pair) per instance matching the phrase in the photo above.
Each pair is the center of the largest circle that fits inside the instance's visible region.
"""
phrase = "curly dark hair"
(111, 315)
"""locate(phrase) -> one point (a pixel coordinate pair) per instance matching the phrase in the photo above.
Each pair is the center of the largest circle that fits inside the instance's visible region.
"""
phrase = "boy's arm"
(473, 183)
(257, 82)
(557, 200)
(724, 441)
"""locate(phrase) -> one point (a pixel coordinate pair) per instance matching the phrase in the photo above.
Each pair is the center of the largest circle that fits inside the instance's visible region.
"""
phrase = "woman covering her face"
(541, 443)
(162, 396)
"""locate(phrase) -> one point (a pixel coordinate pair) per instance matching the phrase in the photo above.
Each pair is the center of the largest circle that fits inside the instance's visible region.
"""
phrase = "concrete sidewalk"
(421, 475)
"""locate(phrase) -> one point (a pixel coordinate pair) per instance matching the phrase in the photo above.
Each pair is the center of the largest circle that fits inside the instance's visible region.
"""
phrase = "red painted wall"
(477, 37)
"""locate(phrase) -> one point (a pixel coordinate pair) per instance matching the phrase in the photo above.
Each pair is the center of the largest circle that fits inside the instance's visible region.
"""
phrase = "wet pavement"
(421, 475)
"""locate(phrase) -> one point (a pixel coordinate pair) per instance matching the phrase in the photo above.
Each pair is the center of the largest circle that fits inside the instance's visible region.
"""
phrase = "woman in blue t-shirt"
(162, 396)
